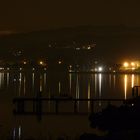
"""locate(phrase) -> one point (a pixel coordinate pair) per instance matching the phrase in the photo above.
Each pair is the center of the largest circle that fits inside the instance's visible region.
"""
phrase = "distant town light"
(126, 64)
(132, 64)
(100, 69)
(24, 62)
(41, 62)
(70, 66)
(59, 62)
(96, 69)
(89, 48)
(77, 48)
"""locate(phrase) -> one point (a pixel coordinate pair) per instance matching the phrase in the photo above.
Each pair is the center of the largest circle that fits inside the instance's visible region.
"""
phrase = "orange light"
(41, 62)
(126, 64)
(132, 64)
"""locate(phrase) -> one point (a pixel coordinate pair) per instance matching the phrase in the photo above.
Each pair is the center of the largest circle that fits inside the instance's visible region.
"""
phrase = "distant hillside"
(67, 35)
(39, 41)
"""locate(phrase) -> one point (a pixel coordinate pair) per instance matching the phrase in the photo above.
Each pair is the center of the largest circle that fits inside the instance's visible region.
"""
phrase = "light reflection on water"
(100, 88)
(125, 86)
(76, 85)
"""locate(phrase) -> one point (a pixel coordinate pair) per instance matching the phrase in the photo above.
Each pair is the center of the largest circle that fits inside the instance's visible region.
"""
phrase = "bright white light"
(100, 69)
(89, 48)
(59, 62)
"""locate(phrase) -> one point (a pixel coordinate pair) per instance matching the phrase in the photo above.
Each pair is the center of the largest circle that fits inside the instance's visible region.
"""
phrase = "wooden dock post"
(20, 106)
(91, 106)
(38, 106)
(37, 103)
(75, 106)
(135, 91)
(56, 106)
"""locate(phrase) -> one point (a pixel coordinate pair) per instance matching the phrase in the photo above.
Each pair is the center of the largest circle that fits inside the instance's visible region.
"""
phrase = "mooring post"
(56, 106)
(34, 109)
(20, 106)
(91, 106)
(137, 91)
(75, 106)
(133, 92)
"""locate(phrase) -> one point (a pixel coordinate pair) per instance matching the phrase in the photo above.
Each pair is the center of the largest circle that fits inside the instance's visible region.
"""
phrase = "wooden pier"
(37, 104)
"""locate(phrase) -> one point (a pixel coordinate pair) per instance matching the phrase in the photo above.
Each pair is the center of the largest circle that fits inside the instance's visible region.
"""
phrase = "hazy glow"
(132, 64)
(126, 64)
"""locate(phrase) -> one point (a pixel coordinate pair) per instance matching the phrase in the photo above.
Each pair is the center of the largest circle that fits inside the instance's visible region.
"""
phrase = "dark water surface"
(28, 84)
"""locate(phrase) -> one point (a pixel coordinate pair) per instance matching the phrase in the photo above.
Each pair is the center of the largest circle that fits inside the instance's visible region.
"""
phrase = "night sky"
(27, 15)
(36, 15)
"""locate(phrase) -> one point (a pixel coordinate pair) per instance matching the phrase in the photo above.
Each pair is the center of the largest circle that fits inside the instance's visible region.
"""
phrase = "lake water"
(28, 84)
